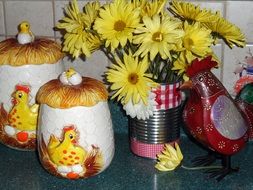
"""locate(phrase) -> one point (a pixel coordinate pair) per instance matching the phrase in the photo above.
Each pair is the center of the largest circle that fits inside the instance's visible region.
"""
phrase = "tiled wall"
(43, 15)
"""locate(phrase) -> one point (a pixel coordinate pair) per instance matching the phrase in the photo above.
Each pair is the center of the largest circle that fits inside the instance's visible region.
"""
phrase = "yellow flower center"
(133, 78)
(188, 43)
(119, 25)
(157, 37)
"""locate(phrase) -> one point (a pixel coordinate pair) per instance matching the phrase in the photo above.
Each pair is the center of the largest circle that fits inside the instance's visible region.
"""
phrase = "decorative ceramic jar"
(75, 134)
(24, 67)
(149, 136)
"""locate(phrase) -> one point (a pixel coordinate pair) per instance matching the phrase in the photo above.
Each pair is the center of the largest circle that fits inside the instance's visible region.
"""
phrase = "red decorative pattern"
(242, 82)
(167, 96)
(147, 150)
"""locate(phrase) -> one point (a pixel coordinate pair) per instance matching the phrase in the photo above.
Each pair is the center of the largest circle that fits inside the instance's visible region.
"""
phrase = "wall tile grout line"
(54, 17)
(223, 45)
(4, 19)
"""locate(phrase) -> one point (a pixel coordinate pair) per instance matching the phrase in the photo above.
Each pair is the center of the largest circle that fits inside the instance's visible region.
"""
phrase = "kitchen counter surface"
(21, 170)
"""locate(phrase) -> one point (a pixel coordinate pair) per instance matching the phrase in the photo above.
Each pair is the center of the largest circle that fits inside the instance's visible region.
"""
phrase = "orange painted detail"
(77, 158)
(64, 151)
(72, 160)
(22, 136)
(73, 153)
(64, 158)
(69, 164)
(70, 156)
(61, 162)
(72, 175)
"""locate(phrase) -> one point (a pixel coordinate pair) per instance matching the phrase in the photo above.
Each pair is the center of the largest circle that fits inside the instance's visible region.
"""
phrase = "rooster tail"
(93, 162)
(53, 143)
(3, 115)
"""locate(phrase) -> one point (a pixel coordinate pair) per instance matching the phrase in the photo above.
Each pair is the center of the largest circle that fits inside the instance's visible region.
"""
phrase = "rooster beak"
(186, 85)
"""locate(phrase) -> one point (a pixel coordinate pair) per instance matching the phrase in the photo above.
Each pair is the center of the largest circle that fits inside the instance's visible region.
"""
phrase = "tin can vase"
(75, 134)
(24, 68)
(147, 137)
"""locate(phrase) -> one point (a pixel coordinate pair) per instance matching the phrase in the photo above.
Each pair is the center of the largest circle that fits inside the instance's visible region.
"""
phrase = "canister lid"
(57, 94)
(40, 51)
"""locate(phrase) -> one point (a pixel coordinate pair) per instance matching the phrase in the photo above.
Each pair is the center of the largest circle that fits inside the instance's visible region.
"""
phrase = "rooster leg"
(206, 160)
(226, 169)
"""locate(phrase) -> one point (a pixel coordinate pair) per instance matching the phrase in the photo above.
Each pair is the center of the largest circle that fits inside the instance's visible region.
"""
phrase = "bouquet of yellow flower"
(147, 42)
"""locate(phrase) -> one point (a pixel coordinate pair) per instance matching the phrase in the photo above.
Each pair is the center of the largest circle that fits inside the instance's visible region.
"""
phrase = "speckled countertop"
(22, 170)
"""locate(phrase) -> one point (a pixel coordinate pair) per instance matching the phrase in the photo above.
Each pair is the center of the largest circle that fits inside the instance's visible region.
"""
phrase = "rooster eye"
(71, 136)
(201, 79)
(20, 95)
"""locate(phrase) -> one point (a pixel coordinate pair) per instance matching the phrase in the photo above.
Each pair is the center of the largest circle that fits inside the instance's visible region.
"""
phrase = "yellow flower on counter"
(116, 23)
(130, 80)
(170, 158)
(77, 26)
(158, 36)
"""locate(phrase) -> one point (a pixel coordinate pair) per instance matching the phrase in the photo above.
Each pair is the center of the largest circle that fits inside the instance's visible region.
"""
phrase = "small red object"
(68, 128)
(72, 175)
(22, 136)
(24, 88)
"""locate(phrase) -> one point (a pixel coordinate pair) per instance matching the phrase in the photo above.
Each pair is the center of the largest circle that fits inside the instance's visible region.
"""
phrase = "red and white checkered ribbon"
(148, 150)
(167, 96)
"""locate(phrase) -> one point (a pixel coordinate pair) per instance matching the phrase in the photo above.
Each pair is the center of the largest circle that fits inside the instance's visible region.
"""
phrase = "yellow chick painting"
(67, 154)
(22, 118)
(71, 77)
(25, 35)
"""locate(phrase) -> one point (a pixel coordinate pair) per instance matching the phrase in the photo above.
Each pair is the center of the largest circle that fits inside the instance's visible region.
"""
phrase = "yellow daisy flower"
(129, 79)
(151, 8)
(116, 23)
(230, 33)
(181, 65)
(170, 158)
(91, 12)
(77, 25)
(157, 36)
(190, 12)
(197, 41)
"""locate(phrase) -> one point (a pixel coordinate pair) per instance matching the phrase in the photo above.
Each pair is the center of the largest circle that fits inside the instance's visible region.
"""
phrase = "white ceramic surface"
(33, 75)
(93, 124)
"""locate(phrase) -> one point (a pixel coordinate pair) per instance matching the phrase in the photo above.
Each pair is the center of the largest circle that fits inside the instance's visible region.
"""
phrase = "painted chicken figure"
(67, 155)
(25, 35)
(211, 115)
(22, 117)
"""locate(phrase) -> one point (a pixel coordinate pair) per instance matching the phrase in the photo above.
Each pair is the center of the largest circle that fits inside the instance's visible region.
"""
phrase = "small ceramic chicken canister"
(26, 63)
(75, 134)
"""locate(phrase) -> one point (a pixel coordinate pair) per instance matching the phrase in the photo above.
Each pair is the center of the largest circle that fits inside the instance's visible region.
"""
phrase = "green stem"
(201, 167)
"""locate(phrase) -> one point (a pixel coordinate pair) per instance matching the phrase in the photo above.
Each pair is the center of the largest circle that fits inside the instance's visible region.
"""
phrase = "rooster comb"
(24, 88)
(68, 128)
(200, 65)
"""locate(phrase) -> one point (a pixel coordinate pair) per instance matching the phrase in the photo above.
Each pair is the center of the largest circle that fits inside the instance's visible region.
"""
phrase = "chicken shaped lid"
(27, 49)
(70, 90)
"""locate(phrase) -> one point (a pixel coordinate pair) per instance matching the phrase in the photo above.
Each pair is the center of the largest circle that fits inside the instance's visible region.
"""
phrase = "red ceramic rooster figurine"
(211, 115)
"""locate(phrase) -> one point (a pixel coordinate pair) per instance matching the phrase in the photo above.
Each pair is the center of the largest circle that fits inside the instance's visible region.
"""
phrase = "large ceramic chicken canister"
(75, 134)
(26, 63)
